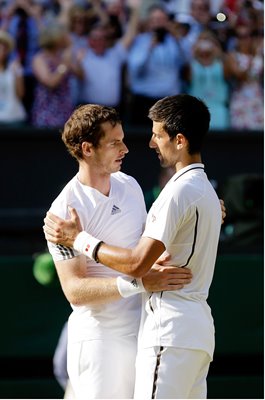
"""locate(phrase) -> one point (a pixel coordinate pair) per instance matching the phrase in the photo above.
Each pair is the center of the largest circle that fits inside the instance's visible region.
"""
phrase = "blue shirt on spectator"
(155, 72)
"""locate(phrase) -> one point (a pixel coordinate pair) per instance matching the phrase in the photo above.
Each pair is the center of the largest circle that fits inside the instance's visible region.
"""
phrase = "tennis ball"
(44, 269)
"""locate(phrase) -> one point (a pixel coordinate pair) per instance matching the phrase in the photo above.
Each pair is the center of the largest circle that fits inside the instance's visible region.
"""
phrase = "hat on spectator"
(6, 39)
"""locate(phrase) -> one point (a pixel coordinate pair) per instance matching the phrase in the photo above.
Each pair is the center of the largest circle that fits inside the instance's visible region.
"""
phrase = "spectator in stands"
(246, 67)
(154, 64)
(103, 63)
(207, 75)
(117, 12)
(81, 17)
(79, 21)
(183, 6)
(23, 19)
(52, 67)
(200, 11)
(201, 17)
(12, 111)
(174, 7)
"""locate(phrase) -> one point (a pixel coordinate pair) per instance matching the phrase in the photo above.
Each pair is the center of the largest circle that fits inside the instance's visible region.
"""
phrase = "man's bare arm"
(135, 262)
(60, 231)
(80, 289)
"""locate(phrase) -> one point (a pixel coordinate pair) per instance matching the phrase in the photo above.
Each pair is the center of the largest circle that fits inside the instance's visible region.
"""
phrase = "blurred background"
(58, 54)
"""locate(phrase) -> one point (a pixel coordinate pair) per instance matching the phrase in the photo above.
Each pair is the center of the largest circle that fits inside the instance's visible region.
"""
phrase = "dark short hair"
(85, 125)
(184, 114)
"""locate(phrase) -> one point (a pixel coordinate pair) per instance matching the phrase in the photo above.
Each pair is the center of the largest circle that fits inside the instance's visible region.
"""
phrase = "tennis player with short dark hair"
(176, 338)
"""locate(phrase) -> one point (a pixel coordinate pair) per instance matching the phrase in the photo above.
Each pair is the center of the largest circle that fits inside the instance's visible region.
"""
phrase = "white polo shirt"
(186, 217)
(117, 219)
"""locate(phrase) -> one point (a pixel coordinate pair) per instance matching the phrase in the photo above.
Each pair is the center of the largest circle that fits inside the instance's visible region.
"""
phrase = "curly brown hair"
(85, 125)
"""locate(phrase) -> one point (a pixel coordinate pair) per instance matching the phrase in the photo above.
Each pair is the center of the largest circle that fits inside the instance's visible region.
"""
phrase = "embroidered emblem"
(115, 210)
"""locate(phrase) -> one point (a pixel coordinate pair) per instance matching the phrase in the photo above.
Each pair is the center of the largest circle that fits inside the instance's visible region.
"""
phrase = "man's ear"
(86, 149)
(181, 141)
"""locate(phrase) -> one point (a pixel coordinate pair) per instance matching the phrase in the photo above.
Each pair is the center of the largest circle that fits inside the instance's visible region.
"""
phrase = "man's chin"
(116, 168)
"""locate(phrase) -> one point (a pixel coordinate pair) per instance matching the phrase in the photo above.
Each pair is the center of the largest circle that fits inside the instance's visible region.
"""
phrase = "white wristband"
(128, 286)
(86, 244)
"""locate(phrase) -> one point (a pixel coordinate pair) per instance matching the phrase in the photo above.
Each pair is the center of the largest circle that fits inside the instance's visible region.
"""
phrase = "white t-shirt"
(103, 76)
(186, 217)
(117, 219)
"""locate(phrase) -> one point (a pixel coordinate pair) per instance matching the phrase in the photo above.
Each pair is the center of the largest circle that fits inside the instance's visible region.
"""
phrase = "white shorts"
(171, 373)
(102, 369)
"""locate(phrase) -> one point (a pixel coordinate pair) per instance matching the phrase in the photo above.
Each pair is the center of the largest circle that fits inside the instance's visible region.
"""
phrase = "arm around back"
(135, 262)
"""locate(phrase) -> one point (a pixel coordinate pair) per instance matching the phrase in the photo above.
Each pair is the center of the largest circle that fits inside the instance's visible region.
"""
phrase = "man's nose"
(124, 149)
(152, 143)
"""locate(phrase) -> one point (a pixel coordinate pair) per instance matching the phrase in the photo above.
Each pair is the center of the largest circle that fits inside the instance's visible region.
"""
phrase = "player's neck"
(94, 179)
(188, 160)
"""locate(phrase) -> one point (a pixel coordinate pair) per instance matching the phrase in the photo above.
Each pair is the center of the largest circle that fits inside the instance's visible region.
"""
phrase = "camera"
(160, 34)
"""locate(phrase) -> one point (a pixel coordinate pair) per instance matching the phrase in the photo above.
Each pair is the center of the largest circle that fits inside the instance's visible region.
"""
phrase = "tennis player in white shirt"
(103, 327)
(176, 337)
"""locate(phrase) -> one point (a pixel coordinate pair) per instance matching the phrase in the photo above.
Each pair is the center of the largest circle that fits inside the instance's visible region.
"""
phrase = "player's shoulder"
(60, 204)
(123, 177)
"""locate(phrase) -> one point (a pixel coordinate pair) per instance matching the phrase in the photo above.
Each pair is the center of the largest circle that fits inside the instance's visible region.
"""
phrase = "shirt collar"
(186, 169)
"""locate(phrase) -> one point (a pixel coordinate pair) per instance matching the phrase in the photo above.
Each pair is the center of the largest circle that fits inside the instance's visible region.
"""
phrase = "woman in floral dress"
(53, 67)
(246, 67)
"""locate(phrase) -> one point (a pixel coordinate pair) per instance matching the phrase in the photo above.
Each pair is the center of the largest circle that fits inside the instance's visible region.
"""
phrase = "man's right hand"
(61, 231)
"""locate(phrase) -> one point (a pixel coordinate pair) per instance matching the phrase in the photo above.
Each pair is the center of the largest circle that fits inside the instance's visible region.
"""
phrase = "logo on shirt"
(153, 218)
(115, 210)
(134, 283)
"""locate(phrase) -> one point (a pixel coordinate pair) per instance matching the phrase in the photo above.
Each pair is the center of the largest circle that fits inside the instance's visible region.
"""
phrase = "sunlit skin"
(99, 162)
(170, 151)
(164, 147)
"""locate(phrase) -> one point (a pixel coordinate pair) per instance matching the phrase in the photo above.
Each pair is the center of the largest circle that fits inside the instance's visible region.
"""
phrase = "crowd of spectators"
(58, 54)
